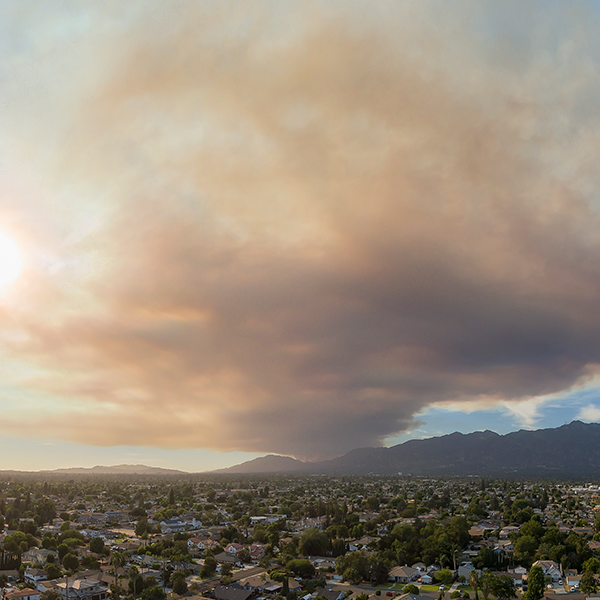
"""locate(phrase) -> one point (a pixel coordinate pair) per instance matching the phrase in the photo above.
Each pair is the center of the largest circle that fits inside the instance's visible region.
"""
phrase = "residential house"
(36, 555)
(464, 570)
(234, 548)
(254, 583)
(193, 543)
(329, 594)
(34, 575)
(583, 530)
(403, 574)
(505, 532)
(83, 589)
(225, 558)
(363, 542)
(516, 577)
(26, 594)
(257, 551)
(475, 532)
(503, 547)
(223, 592)
(427, 578)
(550, 568)
(173, 526)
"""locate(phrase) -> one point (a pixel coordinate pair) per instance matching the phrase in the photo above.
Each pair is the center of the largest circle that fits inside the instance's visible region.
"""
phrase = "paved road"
(243, 573)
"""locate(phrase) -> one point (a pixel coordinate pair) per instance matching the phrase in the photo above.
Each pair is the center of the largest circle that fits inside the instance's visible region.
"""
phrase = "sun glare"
(11, 262)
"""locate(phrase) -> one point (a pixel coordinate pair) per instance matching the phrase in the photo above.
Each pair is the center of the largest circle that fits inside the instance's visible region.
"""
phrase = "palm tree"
(484, 584)
(117, 560)
(474, 581)
(132, 573)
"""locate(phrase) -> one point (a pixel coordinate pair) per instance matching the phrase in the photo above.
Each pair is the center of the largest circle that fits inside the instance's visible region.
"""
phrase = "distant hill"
(119, 470)
(572, 450)
(272, 463)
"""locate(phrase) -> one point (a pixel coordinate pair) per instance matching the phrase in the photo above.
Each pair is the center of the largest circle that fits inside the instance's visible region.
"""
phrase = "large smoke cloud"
(316, 223)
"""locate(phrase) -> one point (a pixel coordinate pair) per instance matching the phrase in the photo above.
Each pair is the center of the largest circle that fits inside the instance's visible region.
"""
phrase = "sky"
(295, 228)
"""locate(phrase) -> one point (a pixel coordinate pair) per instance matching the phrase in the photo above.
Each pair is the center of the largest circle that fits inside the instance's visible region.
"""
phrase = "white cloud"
(526, 412)
(591, 412)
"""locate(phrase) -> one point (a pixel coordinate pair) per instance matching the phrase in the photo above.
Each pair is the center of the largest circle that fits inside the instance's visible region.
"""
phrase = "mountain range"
(572, 450)
(118, 470)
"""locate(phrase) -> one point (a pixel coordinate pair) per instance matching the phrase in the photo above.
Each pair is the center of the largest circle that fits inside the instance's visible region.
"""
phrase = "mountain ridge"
(572, 449)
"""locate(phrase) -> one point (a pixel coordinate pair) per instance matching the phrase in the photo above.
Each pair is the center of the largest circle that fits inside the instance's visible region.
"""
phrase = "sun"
(11, 261)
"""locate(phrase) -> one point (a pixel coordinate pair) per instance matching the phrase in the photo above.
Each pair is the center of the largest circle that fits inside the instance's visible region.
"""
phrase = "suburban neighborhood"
(275, 537)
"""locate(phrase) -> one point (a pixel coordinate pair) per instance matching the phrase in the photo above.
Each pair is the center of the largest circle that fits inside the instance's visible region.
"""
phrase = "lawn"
(430, 588)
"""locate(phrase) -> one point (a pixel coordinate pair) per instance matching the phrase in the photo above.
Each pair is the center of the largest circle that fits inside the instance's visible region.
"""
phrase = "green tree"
(378, 569)
(458, 531)
(62, 550)
(18, 542)
(53, 571)
(226, 570)
(533, 527)
(301, 567)
(411, 588)
(597, 523)
(592, 565)
(154, 592)
(354, 566)
(210, 566)
(142, 527)
(502, 586)
(260, 533)
(535, 585)
(588, 583)
(97, 545)
(443, 576)
(179, 583)
(49, 542)
(313, 542)
(525, 548)
(70, 562)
